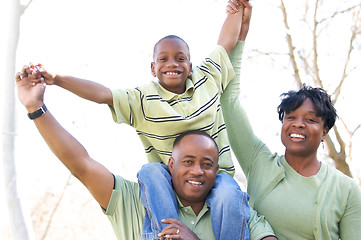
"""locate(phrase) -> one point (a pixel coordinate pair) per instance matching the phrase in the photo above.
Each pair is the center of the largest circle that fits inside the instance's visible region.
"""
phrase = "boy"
(183, 98)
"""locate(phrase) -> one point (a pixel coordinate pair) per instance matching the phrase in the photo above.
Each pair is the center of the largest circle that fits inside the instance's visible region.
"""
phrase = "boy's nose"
(172, 62)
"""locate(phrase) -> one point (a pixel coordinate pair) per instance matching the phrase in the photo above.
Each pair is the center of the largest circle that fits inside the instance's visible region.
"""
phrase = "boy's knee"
(150, 170)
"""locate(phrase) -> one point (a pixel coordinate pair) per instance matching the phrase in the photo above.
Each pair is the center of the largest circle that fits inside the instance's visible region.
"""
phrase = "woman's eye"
(311, 120)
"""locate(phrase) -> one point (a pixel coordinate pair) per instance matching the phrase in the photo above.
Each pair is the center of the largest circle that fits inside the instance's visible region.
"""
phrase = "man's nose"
(197, 169)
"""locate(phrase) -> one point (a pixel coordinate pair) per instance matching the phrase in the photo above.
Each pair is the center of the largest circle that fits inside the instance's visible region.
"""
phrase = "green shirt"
(126, 215)
(324, 206)
(159, 116)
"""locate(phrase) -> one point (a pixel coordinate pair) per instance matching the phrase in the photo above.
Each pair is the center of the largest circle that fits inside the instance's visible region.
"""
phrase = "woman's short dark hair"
(292, 100)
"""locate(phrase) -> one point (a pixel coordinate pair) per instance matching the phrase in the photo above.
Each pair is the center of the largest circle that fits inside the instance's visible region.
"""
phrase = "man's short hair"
(193, 132)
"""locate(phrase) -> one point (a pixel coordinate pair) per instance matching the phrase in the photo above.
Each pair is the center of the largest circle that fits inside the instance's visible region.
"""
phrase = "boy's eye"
(181, 59)
(163, 59)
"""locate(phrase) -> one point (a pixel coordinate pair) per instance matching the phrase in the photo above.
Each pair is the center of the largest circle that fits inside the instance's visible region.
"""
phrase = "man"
(193, 167)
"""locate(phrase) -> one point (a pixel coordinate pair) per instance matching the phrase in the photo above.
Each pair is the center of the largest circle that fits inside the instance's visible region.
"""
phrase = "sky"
(111, 42)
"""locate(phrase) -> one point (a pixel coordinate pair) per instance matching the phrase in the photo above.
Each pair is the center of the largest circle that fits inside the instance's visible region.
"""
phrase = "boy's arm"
(83, 88)
(233, 7)
(70, 152)
(230, 32)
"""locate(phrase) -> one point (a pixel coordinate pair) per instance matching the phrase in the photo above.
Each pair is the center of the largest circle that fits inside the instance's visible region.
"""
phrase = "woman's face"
(302, 130)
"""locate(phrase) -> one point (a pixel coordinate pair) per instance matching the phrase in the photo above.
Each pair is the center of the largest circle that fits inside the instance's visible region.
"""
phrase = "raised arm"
(70, 152)
(231, 30)
(86, 89)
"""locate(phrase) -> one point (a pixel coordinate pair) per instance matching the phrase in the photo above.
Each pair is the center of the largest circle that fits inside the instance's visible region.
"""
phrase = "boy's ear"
(190, 70)
(152, 67)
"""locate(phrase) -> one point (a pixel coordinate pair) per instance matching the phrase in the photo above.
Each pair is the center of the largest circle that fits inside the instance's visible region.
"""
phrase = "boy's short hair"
(292, 100)
(193, 132)
(170, 37)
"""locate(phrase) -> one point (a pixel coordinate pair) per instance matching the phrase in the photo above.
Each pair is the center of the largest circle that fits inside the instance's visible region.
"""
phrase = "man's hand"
(38, 74)
(176, 230)
(31, 95)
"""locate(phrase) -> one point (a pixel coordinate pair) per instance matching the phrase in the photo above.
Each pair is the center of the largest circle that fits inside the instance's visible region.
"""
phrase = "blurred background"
(111, 42)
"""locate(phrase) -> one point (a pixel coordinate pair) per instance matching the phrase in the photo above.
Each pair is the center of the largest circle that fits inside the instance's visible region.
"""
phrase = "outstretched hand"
(176, 230)
(245, 6)
(30, 94)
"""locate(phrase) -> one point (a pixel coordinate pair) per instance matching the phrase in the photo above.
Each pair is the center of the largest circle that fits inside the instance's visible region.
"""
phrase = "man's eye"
(208, 165)
(187, 162)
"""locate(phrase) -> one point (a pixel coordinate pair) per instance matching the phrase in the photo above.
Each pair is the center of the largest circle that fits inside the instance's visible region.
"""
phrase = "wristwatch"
(37, 113)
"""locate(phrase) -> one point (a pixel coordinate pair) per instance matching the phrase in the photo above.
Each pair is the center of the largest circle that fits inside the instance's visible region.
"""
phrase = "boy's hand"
(37, 74)
(233, 6)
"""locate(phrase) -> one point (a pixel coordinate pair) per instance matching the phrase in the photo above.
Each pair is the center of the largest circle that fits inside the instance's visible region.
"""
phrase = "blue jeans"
(229, 205)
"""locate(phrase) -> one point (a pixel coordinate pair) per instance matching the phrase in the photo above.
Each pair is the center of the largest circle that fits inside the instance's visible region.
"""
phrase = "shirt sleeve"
(218, 68)
(258, 226)
(125, 210)
(124, 102)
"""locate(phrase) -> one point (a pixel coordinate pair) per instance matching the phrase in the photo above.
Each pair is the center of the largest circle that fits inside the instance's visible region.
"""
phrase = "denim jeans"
(229, 205)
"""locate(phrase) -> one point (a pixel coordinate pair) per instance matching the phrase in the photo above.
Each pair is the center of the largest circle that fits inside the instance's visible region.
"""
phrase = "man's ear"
(152, 67)
(171, 164)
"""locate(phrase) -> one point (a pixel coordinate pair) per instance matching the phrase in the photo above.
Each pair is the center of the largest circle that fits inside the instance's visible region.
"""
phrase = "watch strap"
(38, 112)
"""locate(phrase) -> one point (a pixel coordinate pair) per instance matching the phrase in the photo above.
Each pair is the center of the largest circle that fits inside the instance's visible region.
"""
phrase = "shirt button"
(192, 222)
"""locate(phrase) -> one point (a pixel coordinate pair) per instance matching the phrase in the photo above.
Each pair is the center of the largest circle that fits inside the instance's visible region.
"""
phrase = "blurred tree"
(323, 39)
(18, 221)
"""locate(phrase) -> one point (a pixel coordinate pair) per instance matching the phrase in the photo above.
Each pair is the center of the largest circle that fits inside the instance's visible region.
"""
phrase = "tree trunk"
(19, 225)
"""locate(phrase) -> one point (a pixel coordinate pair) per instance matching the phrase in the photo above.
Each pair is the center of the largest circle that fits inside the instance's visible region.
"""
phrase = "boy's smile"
(172, 64)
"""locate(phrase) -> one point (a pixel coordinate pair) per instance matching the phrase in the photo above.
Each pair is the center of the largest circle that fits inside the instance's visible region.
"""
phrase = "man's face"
(172, 64)
(194, 166)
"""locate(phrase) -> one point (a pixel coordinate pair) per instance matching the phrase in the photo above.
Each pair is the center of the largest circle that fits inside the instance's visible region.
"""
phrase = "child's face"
(172, 64)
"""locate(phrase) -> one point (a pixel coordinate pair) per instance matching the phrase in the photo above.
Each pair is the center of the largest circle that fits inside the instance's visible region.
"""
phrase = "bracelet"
(37, 113)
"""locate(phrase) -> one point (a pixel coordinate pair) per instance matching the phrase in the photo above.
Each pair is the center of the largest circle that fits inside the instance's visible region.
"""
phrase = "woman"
(301, 197)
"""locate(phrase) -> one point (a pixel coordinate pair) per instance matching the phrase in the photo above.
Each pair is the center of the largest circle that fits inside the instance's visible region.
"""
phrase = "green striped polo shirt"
(159, 116)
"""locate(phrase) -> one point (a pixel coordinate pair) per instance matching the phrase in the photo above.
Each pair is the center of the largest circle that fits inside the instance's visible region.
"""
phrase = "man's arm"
(70, 152)
(86, 89)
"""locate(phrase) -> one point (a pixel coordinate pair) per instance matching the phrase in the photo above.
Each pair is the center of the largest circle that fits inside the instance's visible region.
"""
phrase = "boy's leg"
(157, 197)
(229, 209)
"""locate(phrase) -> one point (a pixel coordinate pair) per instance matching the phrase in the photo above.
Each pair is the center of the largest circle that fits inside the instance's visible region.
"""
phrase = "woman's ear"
(324, 133)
